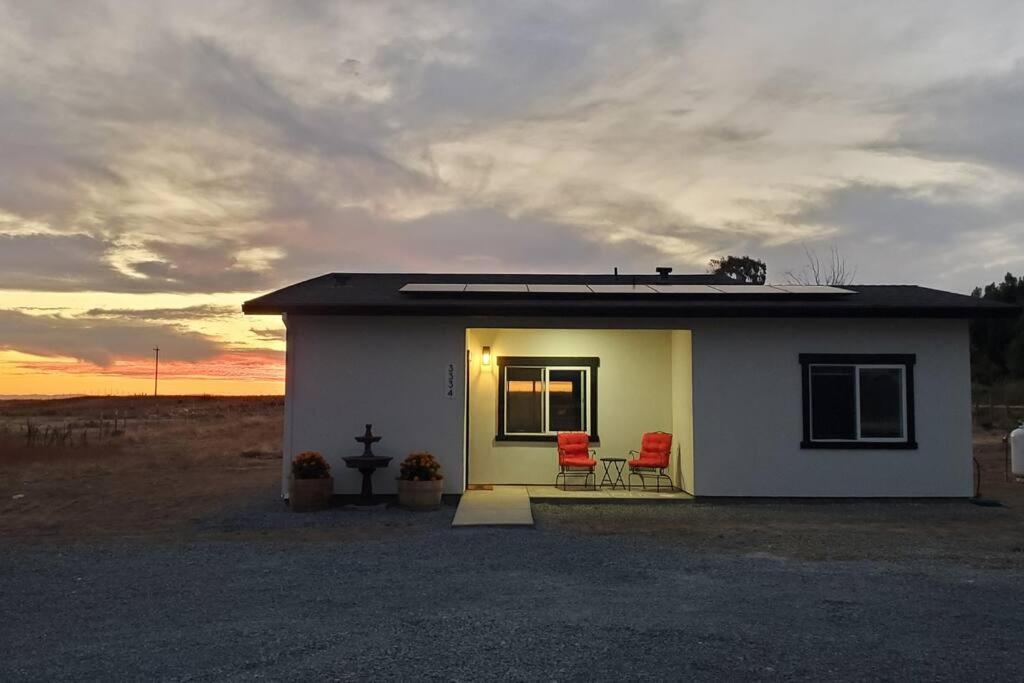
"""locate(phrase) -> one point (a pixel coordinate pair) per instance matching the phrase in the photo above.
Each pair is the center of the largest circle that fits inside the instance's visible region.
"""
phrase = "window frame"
(902, 361)
(588, 365)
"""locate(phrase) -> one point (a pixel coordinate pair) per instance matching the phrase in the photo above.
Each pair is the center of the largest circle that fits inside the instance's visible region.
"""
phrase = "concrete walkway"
(552, 493)
(504, 506)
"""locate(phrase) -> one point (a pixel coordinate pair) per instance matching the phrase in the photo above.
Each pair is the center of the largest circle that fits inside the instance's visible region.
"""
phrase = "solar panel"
(557, 289)
(814, 289)
(503, 288)
(621, 289)
(749, 289)
(432, 287)
(582, 289)
(684, 289)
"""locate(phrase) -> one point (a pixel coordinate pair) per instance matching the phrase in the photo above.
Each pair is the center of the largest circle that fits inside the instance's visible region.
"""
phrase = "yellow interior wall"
(682, 410)
(635, 395)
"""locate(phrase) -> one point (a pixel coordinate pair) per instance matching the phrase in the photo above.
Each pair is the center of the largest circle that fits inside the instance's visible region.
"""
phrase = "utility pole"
(156, 368)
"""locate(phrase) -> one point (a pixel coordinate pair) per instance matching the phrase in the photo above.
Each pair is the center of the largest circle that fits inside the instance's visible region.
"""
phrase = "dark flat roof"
(378, 294)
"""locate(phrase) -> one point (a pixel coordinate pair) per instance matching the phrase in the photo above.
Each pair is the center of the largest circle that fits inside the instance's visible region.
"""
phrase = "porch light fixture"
(485, 356)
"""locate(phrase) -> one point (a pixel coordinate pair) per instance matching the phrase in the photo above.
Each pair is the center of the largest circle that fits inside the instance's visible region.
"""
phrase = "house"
(768, 390)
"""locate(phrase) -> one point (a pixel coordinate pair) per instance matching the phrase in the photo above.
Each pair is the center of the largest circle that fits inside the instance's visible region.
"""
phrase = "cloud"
(56, 262)
(974, 118)
(53, 262)
(268, 334)
(886, 216)
(880, 231)
(47, 165)
(214, 266)
(99, 341)
(199, 312)
(159, 148)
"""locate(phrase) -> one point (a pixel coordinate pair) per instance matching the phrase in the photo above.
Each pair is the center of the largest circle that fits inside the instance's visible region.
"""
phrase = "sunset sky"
(161, 162)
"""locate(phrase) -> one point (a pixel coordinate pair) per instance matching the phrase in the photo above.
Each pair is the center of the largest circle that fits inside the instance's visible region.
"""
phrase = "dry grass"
(176, 460)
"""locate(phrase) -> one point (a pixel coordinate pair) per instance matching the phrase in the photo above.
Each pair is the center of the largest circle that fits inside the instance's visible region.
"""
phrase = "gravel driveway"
(397, 595)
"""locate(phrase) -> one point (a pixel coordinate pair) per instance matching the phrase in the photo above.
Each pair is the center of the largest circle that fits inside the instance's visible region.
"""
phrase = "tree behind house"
(833, 271)
(997, 345)
(740, 268)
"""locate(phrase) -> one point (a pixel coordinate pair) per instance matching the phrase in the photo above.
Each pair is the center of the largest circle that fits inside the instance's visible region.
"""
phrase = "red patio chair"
(574, 457)
(652, 459)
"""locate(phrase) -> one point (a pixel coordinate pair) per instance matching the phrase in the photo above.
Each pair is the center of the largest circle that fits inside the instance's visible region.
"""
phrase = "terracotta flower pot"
(310, 494)
(420, 495)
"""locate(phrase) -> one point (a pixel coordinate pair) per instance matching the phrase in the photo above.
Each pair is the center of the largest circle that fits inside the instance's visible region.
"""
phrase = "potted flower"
(420, 482)
(311, 485)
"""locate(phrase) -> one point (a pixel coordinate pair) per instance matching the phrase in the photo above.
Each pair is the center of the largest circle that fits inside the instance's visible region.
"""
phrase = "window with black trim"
(858, 400)
(541, 396)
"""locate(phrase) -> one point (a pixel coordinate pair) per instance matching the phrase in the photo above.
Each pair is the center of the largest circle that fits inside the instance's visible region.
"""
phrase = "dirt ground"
(182, 462)
(172, 461)
(946, 531)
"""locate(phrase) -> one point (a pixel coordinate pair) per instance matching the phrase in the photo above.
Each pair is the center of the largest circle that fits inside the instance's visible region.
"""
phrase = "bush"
(310, 465)
(420, 466)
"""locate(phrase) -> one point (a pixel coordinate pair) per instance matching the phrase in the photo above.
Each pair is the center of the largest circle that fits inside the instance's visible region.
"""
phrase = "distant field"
(122, 465)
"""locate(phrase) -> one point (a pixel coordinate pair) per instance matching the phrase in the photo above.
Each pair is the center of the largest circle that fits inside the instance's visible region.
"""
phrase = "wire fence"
(999, 405)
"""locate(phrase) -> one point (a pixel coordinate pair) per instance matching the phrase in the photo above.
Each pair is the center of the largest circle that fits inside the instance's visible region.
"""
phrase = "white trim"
(857, 367)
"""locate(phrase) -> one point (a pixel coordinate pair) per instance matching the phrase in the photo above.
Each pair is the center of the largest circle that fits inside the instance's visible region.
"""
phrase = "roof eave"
(256, 307)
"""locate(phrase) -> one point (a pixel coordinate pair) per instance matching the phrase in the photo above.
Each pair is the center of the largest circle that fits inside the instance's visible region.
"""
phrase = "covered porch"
(526, 385)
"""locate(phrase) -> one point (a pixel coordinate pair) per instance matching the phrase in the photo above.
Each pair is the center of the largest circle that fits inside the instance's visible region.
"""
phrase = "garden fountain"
(367, 464)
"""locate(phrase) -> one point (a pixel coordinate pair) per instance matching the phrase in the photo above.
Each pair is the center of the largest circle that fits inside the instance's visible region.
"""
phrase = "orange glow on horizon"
(232, 372)
(247, 352)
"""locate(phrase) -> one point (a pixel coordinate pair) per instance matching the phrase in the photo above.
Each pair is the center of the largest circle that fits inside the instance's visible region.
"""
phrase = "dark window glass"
(833, 402)
(524, 400)
(881, 403)
(565, 396)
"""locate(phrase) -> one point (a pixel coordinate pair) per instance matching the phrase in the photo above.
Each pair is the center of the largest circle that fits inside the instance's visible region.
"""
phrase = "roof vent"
(663, 271)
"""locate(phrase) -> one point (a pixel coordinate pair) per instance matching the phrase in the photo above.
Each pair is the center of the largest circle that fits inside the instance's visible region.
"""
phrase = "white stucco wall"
(748, 421)
(344, 372)
(746, 400)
